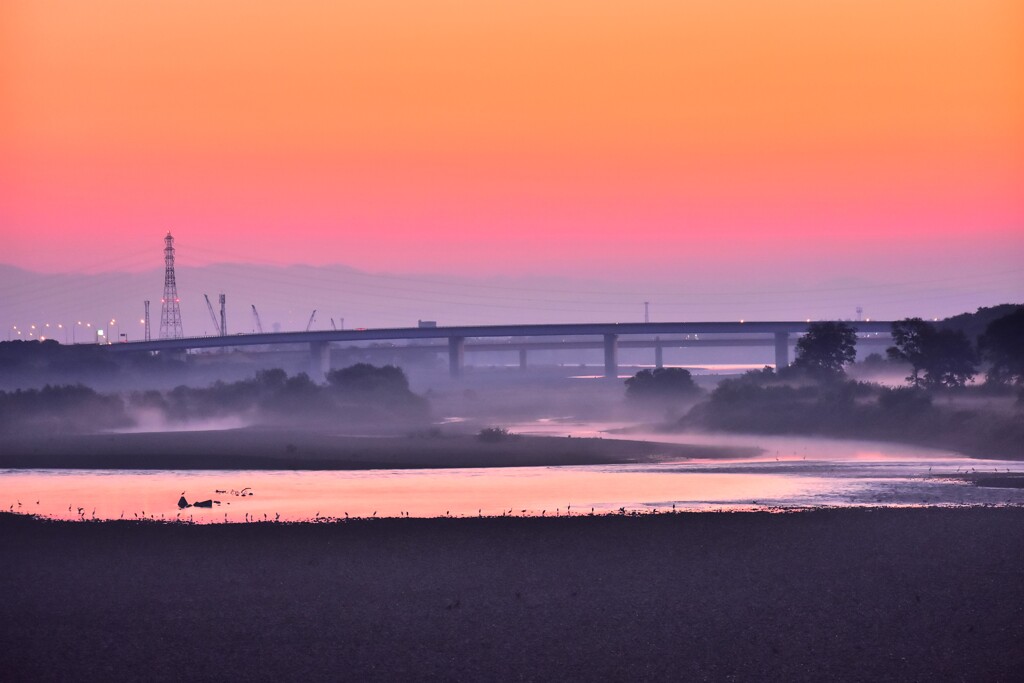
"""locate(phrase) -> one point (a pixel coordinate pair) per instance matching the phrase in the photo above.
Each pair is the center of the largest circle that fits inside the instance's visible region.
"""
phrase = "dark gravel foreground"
(855, 594)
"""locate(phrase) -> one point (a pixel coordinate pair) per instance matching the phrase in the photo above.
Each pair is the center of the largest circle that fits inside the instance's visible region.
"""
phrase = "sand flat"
(855, 594)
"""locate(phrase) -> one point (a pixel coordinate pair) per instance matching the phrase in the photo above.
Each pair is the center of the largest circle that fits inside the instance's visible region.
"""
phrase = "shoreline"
(972, 450)
(835, 594)
(281, 449)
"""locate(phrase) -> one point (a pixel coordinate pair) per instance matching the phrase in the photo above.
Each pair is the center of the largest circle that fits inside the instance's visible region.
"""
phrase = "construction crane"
(213, 316)
(311, 319)
(333, 326)
(256, 319)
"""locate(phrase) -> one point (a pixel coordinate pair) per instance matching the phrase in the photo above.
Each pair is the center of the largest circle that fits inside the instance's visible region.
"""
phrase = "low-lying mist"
(362, 396)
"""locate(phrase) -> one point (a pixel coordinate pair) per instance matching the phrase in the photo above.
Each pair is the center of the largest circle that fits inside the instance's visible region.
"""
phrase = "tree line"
(360, 394)
(938, 357)
(814, 396)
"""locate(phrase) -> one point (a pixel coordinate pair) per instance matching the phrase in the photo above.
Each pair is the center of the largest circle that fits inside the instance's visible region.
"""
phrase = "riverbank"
(281, 449)
(856, 594)
(976, 425)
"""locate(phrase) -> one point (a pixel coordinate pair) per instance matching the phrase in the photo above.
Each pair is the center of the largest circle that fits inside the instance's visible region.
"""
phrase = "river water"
(791, 472)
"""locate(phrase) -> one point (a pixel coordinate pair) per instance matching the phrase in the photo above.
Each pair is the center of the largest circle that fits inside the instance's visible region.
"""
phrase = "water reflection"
(789, 472)
(85, 494)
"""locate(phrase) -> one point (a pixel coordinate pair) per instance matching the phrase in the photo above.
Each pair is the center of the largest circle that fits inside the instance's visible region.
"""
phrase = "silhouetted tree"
(1002, 345)
(365, 378)
(944, 356)
(909, 343)
(271, 379)
(70, 408)
(951, 360)
(364, 386)
(661, 384)
(826, 348)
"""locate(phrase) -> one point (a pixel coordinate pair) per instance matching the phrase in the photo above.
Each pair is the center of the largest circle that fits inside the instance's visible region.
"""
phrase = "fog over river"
(789, 473)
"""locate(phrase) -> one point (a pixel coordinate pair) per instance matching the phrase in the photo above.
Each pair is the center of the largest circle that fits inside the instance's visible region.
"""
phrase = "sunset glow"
(461, 137)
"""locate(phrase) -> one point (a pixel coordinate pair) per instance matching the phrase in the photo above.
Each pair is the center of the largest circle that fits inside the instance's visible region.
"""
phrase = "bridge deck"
(489, 331)
(608, 333)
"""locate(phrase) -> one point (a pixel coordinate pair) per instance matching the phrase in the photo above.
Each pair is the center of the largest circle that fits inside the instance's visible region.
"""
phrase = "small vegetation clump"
(494, 434)
(661, 386)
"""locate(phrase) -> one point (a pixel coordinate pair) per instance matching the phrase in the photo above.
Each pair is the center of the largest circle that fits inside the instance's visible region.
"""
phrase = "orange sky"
(467, 137)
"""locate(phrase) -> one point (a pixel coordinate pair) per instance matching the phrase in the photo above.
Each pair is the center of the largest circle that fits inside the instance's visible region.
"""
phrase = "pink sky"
(517, 138)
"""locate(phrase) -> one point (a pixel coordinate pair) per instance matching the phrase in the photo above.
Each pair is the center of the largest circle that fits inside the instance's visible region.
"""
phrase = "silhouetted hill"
(974, 324)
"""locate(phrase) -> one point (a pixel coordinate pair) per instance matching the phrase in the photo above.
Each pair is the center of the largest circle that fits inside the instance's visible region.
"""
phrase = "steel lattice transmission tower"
(170, 312)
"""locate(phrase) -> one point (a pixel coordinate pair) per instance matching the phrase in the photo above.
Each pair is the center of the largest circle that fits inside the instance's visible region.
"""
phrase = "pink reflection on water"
(386, 493)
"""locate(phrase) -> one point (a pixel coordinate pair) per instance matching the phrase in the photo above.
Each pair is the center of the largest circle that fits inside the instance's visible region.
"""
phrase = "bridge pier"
(781, 350)
(659, 358)
(319, 361)
(522, 359)
(611, 356)
(456, 355)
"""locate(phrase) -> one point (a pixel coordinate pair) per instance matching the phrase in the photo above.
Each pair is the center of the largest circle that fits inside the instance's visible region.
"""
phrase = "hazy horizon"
(286, 296)
(510, 162)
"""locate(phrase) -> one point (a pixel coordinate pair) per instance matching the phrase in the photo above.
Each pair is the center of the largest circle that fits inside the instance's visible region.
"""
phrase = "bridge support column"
(522, 359)
(659, 358)
(456, 355)
(611, 356)
(319, 361)
(781, 350)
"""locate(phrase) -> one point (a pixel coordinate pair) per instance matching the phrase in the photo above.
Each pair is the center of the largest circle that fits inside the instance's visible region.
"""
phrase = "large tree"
(662, 385)
(909, 343)
(1002, 345)
(945, 357)
(826, 348)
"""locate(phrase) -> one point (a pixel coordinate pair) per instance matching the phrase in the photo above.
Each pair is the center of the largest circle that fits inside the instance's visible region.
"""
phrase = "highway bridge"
(606, 336)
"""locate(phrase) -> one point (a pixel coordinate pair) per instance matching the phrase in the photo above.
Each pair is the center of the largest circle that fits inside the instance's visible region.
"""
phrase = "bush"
(494, 434)
(661, 385)
(904, 400)
(364, 378)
